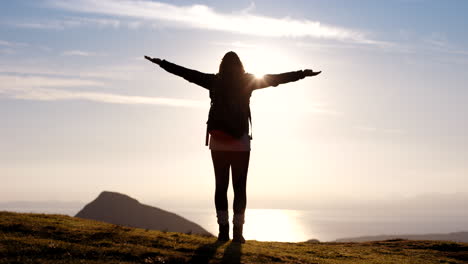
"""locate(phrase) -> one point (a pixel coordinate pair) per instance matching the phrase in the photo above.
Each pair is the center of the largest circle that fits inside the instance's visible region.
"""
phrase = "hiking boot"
(237, 234)
(223, 232)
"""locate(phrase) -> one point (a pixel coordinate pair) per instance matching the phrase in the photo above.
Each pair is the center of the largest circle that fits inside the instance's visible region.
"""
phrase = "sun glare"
(258, 75)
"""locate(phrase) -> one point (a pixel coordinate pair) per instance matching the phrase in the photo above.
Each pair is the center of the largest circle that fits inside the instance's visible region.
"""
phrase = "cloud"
(438, 42)
(41, 25)
(11, 82)
(205, 17)
(40, 88)
(80, 53)
(120, 72)
(74, 22)
(235, 44)
(134, 24)
(44, 94)
(44, 89)
(8, 47)
(12, 44)
(98, 21)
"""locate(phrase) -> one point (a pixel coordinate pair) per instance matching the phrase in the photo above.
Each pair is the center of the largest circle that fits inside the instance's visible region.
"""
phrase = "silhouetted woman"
(228, 128)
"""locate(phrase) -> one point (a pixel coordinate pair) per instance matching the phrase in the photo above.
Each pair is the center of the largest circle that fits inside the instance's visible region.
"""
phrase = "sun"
(265, 60)
(259, 75)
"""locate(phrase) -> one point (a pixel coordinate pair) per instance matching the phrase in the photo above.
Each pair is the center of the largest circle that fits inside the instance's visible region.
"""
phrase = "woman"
(228, 124)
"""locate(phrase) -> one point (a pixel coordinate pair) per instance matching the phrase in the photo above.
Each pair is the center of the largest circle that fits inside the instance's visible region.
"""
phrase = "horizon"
(82, 111)
(339, 219)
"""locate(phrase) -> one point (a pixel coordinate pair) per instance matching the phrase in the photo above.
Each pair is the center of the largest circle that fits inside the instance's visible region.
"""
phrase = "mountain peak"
(115, 196)
(121, 209)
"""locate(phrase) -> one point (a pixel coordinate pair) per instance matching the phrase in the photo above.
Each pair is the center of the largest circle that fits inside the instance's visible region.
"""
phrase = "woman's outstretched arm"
(199, 78)
(277, 79)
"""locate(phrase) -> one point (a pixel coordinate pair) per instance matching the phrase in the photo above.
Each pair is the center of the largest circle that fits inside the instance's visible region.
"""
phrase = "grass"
(42, 238)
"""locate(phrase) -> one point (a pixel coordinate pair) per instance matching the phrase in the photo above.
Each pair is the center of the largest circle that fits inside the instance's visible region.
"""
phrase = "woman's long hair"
(231, 66)
(230, 98)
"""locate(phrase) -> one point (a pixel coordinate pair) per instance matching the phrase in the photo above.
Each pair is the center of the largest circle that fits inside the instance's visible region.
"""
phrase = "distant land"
(455, 237)
(120, 209)
(48, 207)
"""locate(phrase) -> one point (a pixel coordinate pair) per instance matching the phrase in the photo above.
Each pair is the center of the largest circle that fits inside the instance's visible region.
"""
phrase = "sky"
(81, 111)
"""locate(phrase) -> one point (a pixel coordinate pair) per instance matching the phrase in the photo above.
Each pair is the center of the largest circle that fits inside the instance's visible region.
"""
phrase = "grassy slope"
(41, 238)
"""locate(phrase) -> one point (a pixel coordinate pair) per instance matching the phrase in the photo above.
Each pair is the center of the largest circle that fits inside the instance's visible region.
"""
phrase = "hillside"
(40, 238)
(120, 209)
(455, 236)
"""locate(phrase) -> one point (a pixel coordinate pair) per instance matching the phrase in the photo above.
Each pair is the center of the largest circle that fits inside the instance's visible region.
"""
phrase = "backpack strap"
(251, 127)
(207, 136)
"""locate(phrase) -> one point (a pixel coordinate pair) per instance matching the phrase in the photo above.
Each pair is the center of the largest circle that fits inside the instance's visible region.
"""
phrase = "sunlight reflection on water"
(273, 225)
(260, 224)
(302, 225)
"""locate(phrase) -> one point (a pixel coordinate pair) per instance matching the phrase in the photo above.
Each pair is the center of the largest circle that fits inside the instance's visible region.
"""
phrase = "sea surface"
(301, 225)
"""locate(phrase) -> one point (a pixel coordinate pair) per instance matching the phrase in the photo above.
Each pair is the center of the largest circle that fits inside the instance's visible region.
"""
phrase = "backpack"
(230, 109)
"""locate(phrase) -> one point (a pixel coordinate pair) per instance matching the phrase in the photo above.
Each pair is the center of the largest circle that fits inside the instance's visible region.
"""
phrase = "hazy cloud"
(108, 72)
(11, 82)
(205, 17)
(439, 42)
(80, 53)
(8, 47)
(12, 44)
(44, 89)
(44, 94)
(235, 44)
(73, 22)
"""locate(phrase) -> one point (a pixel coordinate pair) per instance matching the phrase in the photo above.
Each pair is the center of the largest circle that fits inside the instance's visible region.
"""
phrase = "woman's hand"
(153, 60)
(311, 72)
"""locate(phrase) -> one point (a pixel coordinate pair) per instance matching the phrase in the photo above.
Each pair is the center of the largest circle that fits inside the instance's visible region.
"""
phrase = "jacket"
(239, 92)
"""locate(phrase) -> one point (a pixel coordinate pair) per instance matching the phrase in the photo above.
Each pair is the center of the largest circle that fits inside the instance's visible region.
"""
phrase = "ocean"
(301, 225)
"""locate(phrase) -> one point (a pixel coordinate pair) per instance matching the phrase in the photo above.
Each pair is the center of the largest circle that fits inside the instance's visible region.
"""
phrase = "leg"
(240, 167)
(221, 166)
